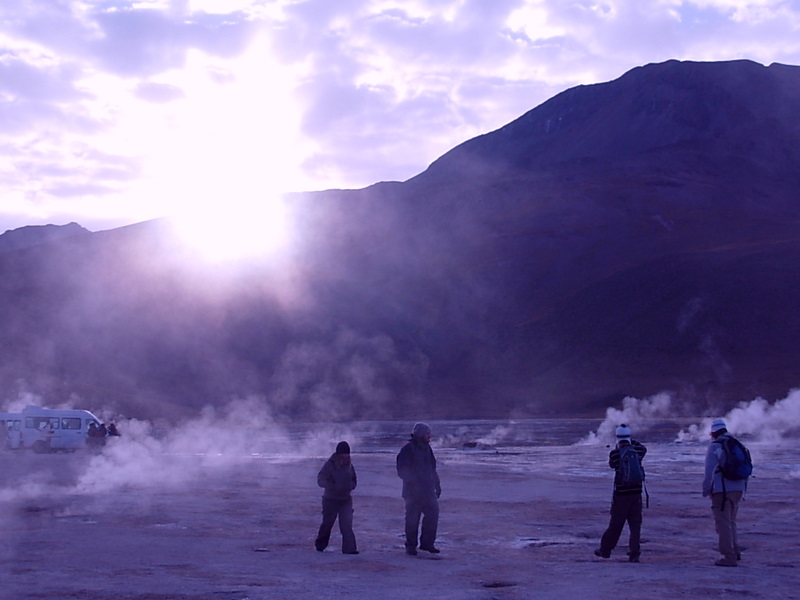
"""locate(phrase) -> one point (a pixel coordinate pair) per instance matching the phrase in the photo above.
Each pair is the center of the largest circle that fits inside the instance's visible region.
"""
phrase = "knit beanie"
(420, 429)
(623, 433)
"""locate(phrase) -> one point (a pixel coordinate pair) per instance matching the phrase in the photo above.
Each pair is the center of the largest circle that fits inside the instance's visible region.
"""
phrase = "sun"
(236, 230)
(227, 152)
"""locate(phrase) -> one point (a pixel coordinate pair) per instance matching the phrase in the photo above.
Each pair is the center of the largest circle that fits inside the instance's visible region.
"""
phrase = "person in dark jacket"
(338, 478)
(626, 504)
(416, 466)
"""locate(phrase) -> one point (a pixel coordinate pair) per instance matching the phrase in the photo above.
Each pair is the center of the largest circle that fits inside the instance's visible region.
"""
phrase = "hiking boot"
(599, 552)
(431, 549)
(350, 552)
(633, 558)
(411, 551)
(726, 562)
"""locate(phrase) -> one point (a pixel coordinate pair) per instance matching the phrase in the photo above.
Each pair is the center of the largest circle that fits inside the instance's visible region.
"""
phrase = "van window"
(41, 423)
(73, 423)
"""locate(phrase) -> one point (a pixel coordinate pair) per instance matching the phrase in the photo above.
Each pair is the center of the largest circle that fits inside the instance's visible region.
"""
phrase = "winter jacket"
(337, 478)
(416, 466)
(713, 481)
(613, 462)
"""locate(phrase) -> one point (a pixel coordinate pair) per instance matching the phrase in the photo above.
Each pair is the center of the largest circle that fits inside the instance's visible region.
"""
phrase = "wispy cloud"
(193, 95)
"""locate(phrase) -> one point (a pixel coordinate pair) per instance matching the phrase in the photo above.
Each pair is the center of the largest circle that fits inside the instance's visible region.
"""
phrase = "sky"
(113, 112)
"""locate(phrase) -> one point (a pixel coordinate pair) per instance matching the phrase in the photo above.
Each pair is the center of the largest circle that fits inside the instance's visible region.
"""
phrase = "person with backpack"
(727, 468)
(338, 478)
(626, 504)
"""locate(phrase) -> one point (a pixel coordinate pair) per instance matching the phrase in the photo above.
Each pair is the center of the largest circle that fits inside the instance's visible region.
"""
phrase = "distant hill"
(25, 237)
(622, 238)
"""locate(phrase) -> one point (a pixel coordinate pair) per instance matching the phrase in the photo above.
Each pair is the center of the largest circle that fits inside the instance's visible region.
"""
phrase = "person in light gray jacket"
(725, 496)
(338, 478)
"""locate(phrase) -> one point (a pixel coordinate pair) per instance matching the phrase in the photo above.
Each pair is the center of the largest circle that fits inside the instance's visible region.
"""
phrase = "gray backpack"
(630, 471)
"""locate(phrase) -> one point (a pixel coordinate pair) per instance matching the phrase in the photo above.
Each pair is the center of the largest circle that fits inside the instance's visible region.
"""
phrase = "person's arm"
(405, 470)
(324, 478)
(613, 459)
(712, 462)
(437, 483)
(641, 449)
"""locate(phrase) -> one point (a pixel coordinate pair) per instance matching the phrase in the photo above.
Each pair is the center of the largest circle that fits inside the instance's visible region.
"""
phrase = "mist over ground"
(164, 455)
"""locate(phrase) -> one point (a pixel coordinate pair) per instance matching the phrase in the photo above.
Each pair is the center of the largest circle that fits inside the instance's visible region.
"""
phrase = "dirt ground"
(245, 531)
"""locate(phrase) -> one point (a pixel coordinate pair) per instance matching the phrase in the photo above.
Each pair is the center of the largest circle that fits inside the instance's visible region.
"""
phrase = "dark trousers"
(624, 508)
(331, 509)
(416, 508)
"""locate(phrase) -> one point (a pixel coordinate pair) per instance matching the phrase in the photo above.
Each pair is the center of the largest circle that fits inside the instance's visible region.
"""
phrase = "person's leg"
(413, 514)
(329, 511)
(734, 498)
(611, 536)
(430, 524)
(346, 527)
(635, 526)
(723, 523)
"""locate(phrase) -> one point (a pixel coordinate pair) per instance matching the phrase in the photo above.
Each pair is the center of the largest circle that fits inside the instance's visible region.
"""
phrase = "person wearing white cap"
(626, 505)
(725, 494)
(416, 466)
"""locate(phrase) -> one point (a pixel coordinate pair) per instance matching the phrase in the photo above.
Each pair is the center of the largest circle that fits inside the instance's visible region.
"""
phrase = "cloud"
(366, 90)
(222, 438)
(151, 457)
(148, 42)
(158, 92)
(638, 414)
(757, 419)
(403, 70)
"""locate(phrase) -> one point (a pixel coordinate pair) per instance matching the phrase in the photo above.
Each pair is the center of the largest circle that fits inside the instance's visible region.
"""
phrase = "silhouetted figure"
(416, 466)
(112, 430)
(338, 478)
(626, 504)
(97, 436)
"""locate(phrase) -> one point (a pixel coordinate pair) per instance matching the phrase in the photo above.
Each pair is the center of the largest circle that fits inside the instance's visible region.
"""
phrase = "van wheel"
(40, 447)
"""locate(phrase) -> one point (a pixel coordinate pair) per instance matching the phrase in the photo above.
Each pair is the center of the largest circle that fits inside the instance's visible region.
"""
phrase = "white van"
(48, 429)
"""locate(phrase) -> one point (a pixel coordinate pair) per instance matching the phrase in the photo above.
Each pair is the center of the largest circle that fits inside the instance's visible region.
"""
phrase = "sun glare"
(217, 155)
(241, 231)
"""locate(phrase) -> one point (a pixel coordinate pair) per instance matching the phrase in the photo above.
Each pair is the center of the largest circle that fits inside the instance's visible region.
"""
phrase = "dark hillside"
(622, 238)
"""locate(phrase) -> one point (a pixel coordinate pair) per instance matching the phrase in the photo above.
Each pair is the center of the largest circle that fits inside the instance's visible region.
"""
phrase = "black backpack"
(737, 464)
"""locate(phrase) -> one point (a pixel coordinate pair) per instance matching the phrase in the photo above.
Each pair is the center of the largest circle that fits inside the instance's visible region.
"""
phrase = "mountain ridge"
(647, 241)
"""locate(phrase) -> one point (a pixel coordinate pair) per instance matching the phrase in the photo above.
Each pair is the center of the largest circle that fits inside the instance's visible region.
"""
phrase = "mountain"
(622, 238)
(33, 235)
